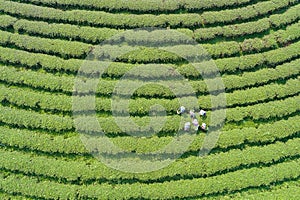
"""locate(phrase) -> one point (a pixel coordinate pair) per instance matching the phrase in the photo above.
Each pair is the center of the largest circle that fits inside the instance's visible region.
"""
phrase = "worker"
(202, 113)
(187, 126)
(181, 110)
(203, 126)
(196, 124)
(192, 114)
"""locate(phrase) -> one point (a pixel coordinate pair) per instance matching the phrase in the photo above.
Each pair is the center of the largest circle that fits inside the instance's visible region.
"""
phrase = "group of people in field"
(194, 120)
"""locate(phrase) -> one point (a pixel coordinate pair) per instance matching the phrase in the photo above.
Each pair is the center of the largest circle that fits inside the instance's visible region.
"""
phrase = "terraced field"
(45, 44)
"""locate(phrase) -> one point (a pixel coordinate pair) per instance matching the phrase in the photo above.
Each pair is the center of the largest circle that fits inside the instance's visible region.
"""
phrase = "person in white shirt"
(187, 126)
(196, 124)
(203, 126)
(181, 110)
(192, 114)
(202, 113)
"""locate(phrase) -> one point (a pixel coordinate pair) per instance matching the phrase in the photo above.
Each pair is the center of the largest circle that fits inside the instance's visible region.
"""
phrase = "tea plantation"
(45, 45)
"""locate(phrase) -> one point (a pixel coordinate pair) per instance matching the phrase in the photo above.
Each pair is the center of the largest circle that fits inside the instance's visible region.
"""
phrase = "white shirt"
(182, 109)
(195, 122)
(203, 126)
(187, 126)
(202, 112)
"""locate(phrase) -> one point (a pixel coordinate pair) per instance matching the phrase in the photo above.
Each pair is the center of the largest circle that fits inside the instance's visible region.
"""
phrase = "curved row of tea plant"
(73, 49)
(193, 167)
(35, 120)
(227, 65)
(197, 187)
(100, 18)
(97, 35)
(142, 6)
(61, 103)
(37, 80)
(71, 144)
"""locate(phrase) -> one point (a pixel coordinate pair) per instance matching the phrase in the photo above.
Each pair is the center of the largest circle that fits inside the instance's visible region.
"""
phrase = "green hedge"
(37, 80)
(255, 95)
(50, 144)
(30, 119)
(286, 191)
(228, 65)
(273, 109)
(229, 182)
(65, 84)
(64, 49)
(192, 166)
(72, 49)
(142, 5)
(141, 106)
(7, 21)
(24, 97)
(156, 37)
(291, 15)
(37, 60)
(99, 18)
(231, 82)
(65, 31)
(4, 195)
